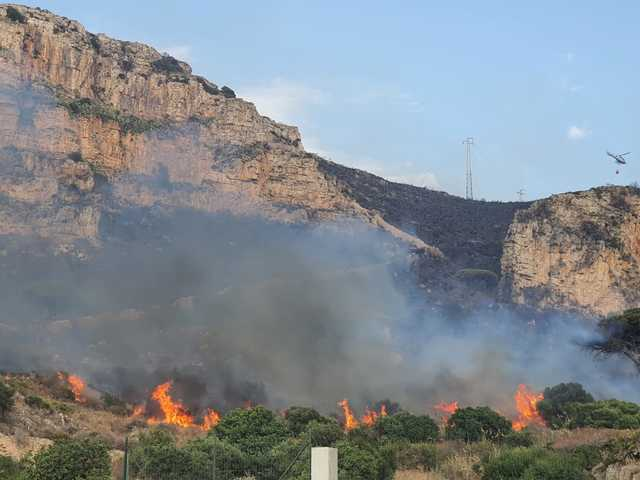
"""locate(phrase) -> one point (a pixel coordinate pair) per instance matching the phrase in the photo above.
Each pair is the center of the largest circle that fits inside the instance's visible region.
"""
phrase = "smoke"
(238, 309)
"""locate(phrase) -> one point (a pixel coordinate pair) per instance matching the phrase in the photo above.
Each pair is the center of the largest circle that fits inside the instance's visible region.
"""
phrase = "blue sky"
(394, 87)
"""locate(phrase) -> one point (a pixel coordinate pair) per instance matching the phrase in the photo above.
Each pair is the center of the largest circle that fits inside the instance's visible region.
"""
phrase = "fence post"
(324, 463)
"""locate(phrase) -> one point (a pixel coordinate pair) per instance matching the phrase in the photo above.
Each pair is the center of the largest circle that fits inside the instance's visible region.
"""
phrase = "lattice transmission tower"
(468, 173)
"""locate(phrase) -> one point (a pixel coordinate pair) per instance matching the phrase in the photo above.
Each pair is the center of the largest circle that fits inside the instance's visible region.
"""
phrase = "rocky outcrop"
(93, 125)
(81, 109)
(577, 251)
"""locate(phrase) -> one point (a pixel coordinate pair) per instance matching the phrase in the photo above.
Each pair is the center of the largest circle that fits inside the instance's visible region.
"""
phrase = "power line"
(468, 174)
(521, 193)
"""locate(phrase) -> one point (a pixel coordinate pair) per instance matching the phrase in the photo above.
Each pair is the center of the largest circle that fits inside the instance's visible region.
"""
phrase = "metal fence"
(294, 466)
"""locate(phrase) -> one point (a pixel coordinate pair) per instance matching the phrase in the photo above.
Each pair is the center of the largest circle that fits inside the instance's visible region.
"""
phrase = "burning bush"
(405, 426)
(85, 458)
(6, 399)
(553, 408)
(474, 424)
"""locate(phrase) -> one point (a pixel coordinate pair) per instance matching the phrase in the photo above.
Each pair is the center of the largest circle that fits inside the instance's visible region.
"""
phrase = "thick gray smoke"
(241, 309)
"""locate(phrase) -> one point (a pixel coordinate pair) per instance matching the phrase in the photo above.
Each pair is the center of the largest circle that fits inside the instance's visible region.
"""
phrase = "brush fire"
(76, 384)
(174, 412)
(446, 409)
(526, 405)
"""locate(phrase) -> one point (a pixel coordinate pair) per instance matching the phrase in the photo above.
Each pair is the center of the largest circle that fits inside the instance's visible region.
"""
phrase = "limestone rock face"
(80, 109)
(576, 251)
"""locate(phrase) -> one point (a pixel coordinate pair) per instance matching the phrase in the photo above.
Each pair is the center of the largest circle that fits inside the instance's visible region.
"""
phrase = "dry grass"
(456, 461)
(568, 439)
(418, 475)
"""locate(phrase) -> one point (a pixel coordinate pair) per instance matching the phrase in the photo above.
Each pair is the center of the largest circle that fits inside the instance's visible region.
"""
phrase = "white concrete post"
(324, 463)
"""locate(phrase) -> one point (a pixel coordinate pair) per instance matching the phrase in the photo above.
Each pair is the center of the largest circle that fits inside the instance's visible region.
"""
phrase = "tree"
(86, 459)
(356, 462)
(604, 414)
(323, 434)
(255, 431)
(299, 417)
(6, 399)
(620, 336)
(553, 408)
(474, 424)
(409, 427)
(156, 455)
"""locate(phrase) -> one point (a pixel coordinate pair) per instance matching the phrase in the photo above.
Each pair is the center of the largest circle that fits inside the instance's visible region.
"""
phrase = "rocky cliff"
(578, 251)
(81, 109)
(93, 126)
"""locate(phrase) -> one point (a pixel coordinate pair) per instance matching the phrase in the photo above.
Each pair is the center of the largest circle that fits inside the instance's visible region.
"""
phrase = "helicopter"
(619, 158)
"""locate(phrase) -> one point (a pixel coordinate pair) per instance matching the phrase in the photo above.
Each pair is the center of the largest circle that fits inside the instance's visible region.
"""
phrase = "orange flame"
(447, 409)
(174, 412)
(76, 384)
(350, 421)
(138, 411)
(370, 417)
(211, 419)
(526, 401)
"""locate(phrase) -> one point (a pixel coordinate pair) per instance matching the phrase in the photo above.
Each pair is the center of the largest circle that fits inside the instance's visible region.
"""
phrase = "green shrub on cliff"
(6, 398)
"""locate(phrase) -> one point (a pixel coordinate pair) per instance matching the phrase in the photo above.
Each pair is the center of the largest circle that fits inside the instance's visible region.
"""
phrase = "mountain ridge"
(96, 125)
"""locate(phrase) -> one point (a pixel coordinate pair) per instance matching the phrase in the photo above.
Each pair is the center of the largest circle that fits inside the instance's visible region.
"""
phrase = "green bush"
(405, 426)
(323, 434)
(9, 470)
(554, 467)
(511, 464)
(553, 408)
(86, 459)
(255, 431)
(518, 439)
(533, 464)
(416, 456)
(587, 456)
(228, 459)
(356, 462)
(299, 417)
(6, 399)
(604, 414)
(86, 107)
(156, 455)
(293, 454)
(38, 402)
(474, 424)
(15, 15)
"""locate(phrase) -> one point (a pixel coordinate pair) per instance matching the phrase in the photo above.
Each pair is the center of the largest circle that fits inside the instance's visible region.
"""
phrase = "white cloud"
(283, 100)
(577, 133)
(399, 173)
(425, 179)
(181, 52)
